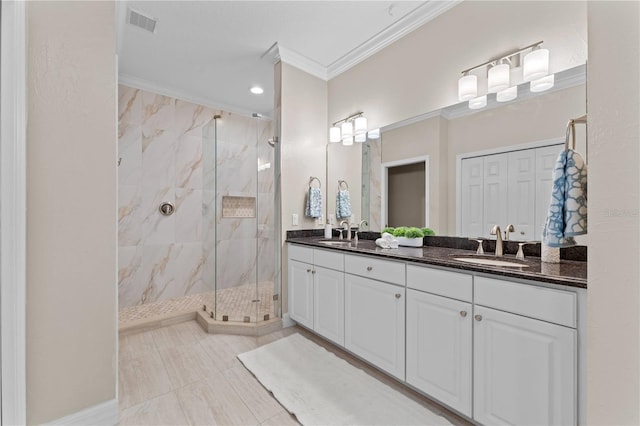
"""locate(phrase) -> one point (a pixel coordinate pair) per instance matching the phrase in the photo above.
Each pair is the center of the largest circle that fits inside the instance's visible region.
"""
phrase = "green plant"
(400, 231)
(413, 233)
(388, 230)
(428, 232)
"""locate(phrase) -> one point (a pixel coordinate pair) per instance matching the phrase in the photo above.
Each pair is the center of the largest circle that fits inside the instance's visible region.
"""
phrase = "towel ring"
(311, 179)
(571, 131)
(341, 182)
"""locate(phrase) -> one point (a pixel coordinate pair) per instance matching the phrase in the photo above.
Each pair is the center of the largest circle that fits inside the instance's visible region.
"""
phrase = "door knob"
(463, 314)
(478, 317)
(398, 295)
(369, 268)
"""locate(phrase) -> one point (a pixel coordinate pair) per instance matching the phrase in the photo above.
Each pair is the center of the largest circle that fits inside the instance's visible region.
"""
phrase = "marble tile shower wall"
(163, 144)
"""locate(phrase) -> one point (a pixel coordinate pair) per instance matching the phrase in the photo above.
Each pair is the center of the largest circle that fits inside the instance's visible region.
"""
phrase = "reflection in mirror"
(451, 135)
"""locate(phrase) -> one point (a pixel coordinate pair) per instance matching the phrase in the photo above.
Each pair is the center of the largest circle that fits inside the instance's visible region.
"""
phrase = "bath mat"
(321, 389)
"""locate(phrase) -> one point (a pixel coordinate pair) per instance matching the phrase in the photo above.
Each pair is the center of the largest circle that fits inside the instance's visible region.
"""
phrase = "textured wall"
(71, 217)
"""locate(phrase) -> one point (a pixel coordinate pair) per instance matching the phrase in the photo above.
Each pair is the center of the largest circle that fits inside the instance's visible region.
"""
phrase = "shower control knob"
(166, 208)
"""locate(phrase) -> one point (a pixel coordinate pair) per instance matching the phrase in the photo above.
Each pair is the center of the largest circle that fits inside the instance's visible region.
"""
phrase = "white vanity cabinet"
(375, 313)
(301, 285)
(525, 367)
(316, 291)
(439, 335)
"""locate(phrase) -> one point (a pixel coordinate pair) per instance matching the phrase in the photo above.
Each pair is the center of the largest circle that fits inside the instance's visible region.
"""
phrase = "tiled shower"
(218, 247)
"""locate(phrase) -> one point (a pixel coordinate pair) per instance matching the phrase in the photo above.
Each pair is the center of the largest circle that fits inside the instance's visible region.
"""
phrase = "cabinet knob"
(463, 314)
(398, 295)
(308, 270)
(478, 317)
(369, 268)
(313, 272)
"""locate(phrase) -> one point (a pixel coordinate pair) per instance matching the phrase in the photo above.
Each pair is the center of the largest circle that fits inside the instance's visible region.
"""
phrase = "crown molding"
(301, 62)
(410, 22)
(172, 92)
(411, 120)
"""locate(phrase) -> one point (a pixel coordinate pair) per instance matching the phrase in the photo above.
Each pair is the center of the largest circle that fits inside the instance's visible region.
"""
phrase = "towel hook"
(340, 182)
(571, 131)
(311, 179)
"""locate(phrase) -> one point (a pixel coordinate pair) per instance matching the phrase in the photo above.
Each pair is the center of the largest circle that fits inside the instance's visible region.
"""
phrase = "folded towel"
(568, 207)
(314, 203)
(381, 242)
(343, 204)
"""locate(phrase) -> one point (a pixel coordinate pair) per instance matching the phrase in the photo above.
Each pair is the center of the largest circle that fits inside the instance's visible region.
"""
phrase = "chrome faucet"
(496, 231)
(510, 228)
(362, 222)
(345, 227)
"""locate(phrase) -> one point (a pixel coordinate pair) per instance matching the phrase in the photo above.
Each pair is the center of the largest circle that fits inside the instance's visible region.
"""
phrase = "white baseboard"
(105, 414)
(287, 321)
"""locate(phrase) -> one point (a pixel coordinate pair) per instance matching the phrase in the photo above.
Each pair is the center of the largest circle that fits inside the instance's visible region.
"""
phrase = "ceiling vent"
(139, 20)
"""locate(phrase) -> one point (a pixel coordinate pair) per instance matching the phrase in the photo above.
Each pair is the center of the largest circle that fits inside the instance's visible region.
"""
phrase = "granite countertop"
(567, 272)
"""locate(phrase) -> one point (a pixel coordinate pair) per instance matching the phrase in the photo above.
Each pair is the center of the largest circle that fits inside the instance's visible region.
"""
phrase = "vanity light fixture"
(535, 68)
(350, 129)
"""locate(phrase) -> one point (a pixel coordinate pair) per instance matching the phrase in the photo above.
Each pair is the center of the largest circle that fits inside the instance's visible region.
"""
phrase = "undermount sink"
(490, 262)
(335, 242)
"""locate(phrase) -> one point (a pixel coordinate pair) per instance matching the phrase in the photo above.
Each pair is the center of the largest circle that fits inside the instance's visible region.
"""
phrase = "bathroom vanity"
(499, 345)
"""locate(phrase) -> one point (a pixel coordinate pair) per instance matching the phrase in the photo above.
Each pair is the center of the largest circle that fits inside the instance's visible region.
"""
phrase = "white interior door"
(471, 211)
(495, 192)
(545, 161)
(522, 193)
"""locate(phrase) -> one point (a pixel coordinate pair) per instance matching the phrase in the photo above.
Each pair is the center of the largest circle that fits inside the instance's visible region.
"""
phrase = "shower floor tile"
(236, 302)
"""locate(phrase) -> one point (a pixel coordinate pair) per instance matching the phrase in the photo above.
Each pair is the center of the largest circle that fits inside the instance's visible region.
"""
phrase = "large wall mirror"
(467, 158)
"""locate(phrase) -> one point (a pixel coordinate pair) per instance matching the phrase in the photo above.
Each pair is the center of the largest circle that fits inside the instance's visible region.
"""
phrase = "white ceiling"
(210, 52)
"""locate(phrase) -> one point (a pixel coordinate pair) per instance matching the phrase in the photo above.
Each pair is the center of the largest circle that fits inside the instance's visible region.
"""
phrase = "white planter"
(409, 242)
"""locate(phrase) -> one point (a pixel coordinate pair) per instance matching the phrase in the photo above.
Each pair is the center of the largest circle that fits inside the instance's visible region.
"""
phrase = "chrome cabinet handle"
(398, 295)
(478, 317)
(369, 268)
(463, 314)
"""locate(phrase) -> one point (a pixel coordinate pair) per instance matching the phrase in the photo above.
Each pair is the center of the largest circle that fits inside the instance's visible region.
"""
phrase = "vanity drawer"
(330, 259)
(377, 269)
(444, 283)
(301, 253)
(547, 304)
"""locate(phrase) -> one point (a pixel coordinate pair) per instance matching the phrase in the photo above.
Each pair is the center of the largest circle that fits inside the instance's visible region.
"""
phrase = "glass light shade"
(334, 134)
(507, 94)
(360, 125)
(498, 78)
(347, 141)
(347, 130)
(361, 138)
(478, 103)
(536, 65)
(374, 134)
(542, 84)
(467, 87)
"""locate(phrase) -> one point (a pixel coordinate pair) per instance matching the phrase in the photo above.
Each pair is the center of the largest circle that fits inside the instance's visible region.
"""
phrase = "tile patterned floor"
(236, 302)
(180, 375)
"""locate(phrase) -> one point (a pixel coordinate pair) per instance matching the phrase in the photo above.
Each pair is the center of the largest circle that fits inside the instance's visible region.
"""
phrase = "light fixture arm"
(351, 117)
(507, 56)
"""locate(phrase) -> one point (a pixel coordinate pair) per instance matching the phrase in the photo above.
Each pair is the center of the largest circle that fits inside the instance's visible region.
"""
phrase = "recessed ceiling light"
(256, 90)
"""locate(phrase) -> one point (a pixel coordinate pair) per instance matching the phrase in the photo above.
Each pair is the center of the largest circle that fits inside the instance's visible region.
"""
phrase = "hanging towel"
(314, 203)
(567, 215)
(343, 204)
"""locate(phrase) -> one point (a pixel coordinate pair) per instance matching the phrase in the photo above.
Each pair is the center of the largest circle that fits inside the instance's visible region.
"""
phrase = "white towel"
(381, 242)
(567, 215)
(393, 241)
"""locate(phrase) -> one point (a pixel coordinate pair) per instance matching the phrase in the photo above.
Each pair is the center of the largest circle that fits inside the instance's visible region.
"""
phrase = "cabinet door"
(524, 370)
(472, 195)
(328, 304)
(374, 322)
(301, 293)
(522, 194)
(439, 348)
(545, 161)
(495, 192)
